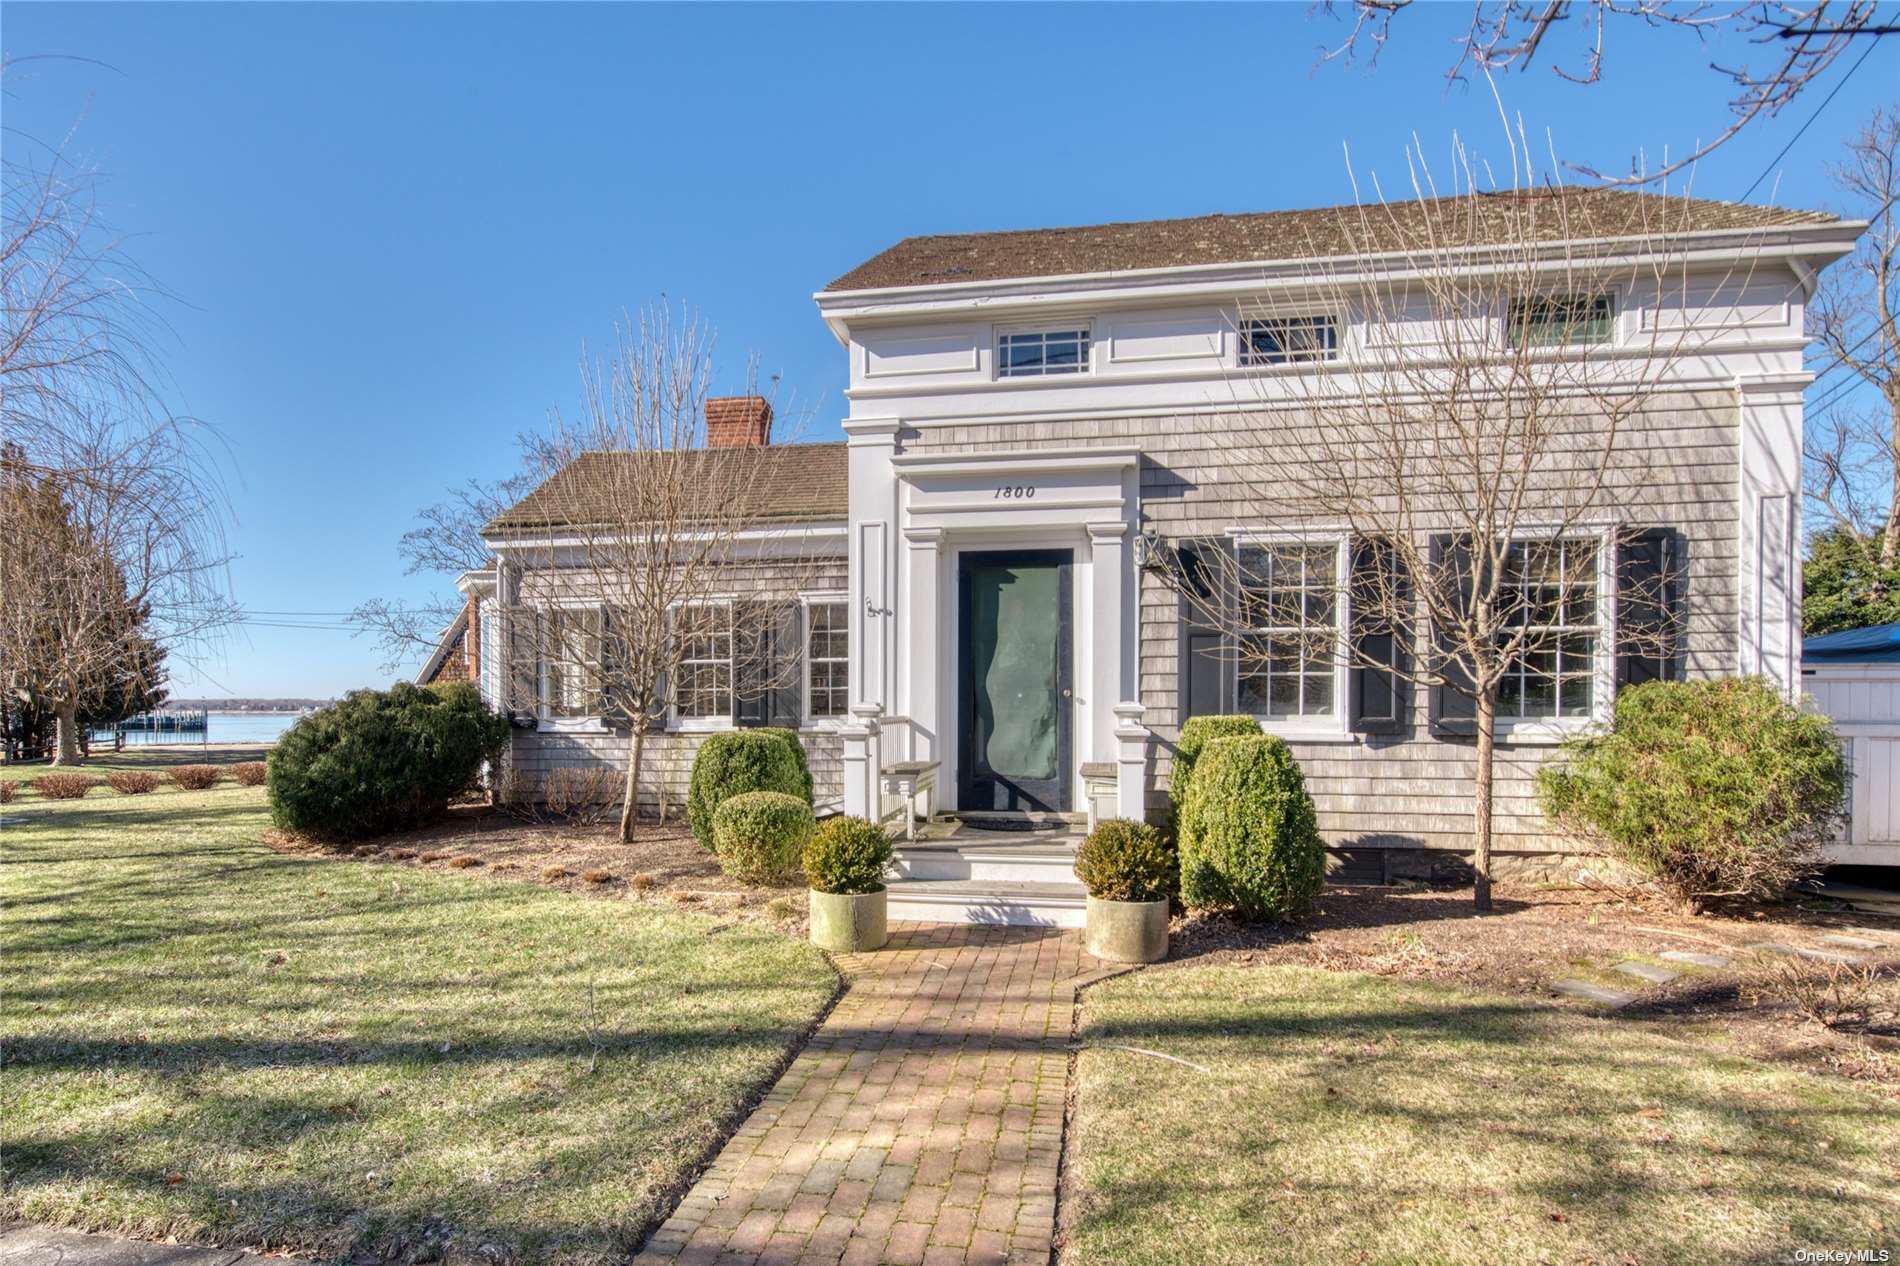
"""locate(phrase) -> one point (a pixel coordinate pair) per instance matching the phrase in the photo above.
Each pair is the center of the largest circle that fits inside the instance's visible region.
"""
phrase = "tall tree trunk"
(1481, 800)
(1890, 539)
(66, 727)
(630, 807)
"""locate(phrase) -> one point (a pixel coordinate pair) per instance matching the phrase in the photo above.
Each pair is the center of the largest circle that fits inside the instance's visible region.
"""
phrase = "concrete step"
(995, 902)
(983, 856)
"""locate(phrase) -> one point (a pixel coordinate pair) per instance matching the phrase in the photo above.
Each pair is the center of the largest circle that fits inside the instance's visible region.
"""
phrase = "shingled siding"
(667, 761)
(1414, 790)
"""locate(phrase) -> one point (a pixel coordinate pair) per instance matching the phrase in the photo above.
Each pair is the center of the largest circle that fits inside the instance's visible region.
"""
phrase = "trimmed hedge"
(847, 855)
(1249, 836)
(1125, 860)
(381, 760)
(1712, 788)
(251, 773)
(735, 762)
(1196, 734)
(760, 836)
(64, 786)
(132, 782)
(797, 745)
(196, 777)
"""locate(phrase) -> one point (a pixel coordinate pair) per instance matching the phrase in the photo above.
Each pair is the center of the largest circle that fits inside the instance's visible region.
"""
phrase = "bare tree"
(1853, 458)
(1798, 40)
(653, 537)
(1448, 426)
(446, 542)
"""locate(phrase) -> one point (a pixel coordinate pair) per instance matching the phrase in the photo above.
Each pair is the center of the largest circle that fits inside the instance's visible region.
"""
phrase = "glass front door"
(1014, 690)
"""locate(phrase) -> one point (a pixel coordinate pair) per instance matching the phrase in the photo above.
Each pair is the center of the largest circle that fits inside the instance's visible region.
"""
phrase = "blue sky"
(389, 229)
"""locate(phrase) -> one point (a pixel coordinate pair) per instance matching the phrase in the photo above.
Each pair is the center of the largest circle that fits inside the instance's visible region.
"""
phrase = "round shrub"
(760, 836)
(132, 782)
(1249, 837)
(732, 764)
(250, 773)
(1125, 860)
(1713, 788)
(64, 786)
(790, 739)
(1196, 734)
(196, 777)
(381, 760)
(847, 855)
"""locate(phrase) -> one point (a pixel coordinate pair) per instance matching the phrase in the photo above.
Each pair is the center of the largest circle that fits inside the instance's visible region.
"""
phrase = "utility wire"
(1840, 84)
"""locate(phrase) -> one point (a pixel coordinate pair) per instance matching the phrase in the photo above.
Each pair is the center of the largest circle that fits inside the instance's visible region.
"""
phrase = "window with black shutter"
(1651, 578)
(1380, 693)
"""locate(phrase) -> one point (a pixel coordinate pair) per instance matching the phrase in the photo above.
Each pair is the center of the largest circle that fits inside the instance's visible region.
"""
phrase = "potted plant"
(844, 864)
(1130, 873)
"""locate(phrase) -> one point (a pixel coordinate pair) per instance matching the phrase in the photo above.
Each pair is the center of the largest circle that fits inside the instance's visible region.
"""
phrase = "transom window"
(1035, 353)
(1289, 605)
(704, 688)
(1288, 340)
(1549, 596)
(570, 663)
(1560, 320)
(827, 659)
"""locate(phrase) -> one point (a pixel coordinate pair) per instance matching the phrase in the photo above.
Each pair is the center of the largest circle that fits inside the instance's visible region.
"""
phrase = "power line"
(1842, 83)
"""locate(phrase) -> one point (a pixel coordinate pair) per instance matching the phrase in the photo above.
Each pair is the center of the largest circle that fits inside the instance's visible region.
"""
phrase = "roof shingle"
(1487, 219)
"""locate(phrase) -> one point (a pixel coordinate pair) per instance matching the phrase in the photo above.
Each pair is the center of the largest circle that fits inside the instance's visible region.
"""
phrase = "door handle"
(1067, 693)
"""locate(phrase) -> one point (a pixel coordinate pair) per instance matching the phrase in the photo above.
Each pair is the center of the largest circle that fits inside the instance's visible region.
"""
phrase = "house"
(1853, 676)
(457, 655)
(1034, 417)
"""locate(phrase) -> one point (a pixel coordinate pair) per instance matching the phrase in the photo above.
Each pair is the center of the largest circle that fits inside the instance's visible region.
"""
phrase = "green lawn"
(1348, 1118)
(206, 1038)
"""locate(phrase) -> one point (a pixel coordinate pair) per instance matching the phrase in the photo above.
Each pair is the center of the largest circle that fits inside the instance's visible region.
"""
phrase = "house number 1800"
(1015, 492)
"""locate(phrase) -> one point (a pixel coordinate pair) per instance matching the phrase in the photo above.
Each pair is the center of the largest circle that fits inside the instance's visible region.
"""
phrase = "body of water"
(225, 727)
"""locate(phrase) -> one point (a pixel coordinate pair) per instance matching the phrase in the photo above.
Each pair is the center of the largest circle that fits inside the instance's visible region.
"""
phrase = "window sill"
(1308, 733)
(1542, 733)
(699, 725)
(572, 725)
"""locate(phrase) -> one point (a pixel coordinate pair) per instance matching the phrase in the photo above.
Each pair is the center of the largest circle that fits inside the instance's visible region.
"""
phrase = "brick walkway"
(921, 1124)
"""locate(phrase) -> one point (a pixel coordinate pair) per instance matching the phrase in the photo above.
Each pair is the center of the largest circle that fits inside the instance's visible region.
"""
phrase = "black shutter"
(1380, 695)
(785, 703)
(1649, 589)
(752, 664)
(1454, 713)
(1205, 668)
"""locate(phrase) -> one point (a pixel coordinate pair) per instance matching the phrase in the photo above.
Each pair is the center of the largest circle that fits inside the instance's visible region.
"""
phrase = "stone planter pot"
(1127, 931)
(849, 922)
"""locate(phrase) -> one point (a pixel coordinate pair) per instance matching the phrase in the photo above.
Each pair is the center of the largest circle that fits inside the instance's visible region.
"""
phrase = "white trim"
(502, 542)
(1530, 731)
(1055, 324)
(543, 721)
(686, 725)
(806, 601)
(1335, 727)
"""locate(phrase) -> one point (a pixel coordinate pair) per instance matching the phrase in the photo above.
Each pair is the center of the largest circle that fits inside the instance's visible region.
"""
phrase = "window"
(570, 663)
(704, 689)
(1560, 320)
(1549, 596)
(1290, 609)
(827, 660)
(1288, 340)
(1034, 353)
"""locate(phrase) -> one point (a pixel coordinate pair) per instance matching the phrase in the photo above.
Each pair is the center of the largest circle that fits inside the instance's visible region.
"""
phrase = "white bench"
(910, 779)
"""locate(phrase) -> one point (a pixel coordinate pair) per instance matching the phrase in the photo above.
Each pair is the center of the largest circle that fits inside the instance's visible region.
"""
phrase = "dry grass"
(552, 873)
(464, 862)
(1345, 1117)
(1839, 996)
(597, 876)
(8, 789)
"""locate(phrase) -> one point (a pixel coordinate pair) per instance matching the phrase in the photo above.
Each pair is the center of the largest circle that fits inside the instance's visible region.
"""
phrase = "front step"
(997, 903)
(1048, 859)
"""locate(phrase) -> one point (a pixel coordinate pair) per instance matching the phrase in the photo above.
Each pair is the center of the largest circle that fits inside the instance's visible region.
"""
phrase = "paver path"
(921, 1124)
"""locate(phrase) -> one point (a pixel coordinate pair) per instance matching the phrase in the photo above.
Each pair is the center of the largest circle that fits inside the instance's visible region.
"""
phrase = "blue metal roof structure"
(1879, 644)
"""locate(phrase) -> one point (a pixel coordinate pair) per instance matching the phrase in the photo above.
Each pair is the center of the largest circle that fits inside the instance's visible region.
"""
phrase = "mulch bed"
(663, 865)
(1536, 935)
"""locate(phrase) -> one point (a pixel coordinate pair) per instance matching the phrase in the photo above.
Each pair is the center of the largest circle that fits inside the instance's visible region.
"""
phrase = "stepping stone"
(1774, 947)
(1647, 971)
(1819, 956)
(1594, 993)
(1852, 942)
(1694, 959)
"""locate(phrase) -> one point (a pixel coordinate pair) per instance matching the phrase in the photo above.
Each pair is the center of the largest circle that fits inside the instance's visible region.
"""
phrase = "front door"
(1013, 691)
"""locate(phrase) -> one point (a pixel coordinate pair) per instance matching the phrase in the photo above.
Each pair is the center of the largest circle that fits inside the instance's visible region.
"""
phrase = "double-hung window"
(1293, 611)
(1560, 320)
(703, 691)
(1549, 599)
(570, 663)
(827, 660)
(1288, 340)
(1039, 353)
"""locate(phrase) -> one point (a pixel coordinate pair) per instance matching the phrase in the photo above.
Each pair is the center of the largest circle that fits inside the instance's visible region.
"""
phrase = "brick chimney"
(738, 421)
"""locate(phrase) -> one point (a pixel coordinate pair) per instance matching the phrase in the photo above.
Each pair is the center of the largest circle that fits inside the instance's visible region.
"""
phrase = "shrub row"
(732, 764)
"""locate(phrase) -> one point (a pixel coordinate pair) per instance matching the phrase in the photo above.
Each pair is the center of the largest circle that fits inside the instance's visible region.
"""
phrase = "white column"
(1109, 682)
(1768, 562)
(863, 797)
(1131, 762)
(873, 511)
(920, 681)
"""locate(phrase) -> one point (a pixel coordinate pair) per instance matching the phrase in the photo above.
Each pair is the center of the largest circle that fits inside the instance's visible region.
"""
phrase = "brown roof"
(800, 483)
(1549, 215)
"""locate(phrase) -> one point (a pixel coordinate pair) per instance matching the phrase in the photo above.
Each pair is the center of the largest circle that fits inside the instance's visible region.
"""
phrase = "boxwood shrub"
(1712, 788)
(1196, 734)
(760, 836)
(791, 740)
(1125, 860)
(381, 760)
(733, 763)
(1249, 837)
(847, 855)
